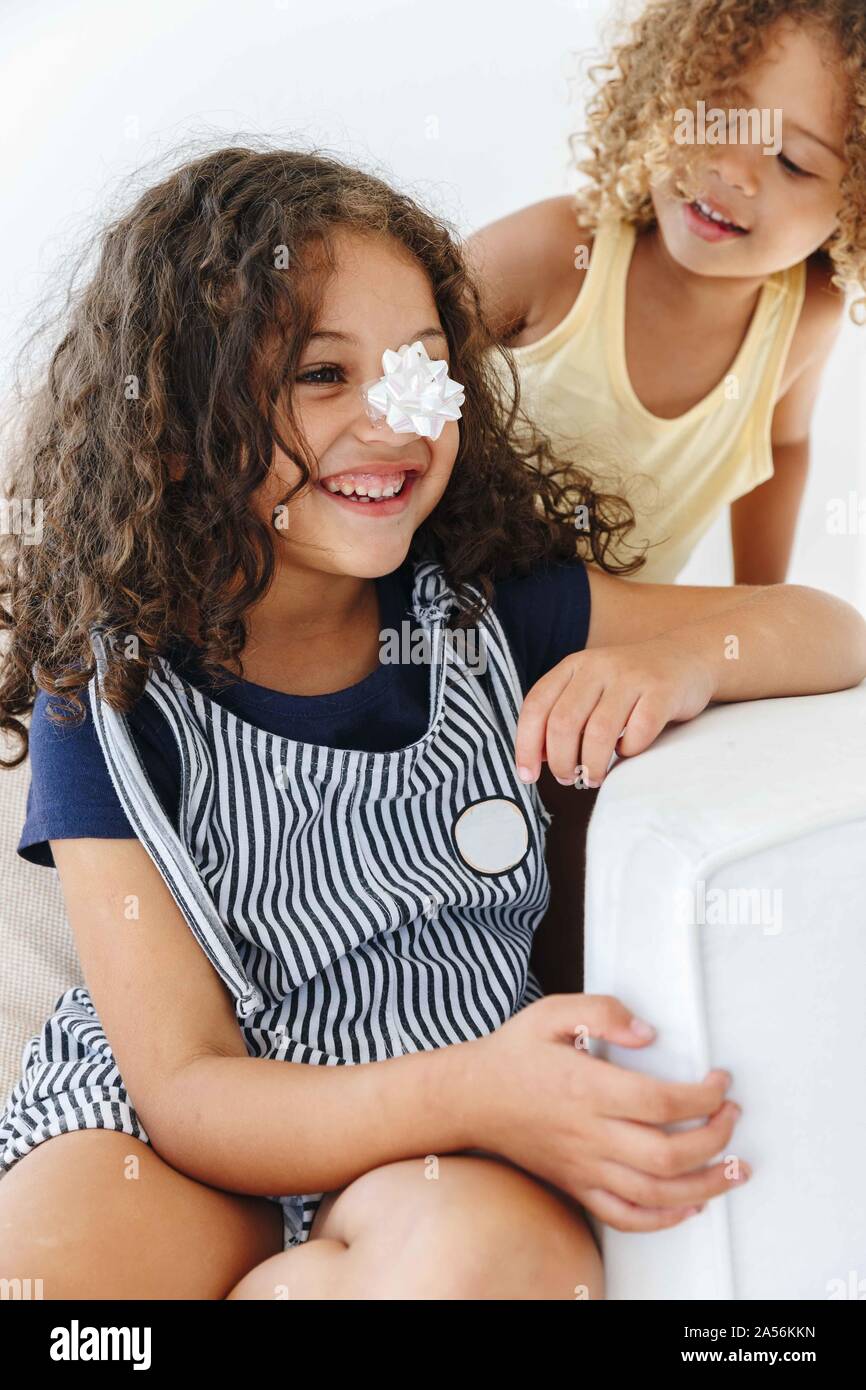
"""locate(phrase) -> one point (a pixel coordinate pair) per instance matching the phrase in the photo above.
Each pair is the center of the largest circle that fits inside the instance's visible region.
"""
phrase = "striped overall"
(357, 905)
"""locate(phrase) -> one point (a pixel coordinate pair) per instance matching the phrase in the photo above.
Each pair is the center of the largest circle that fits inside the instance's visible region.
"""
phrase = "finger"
(603, 727)
(529, 742)
(692, 1189)
(629, 1095)
(663, 1154)
(643, 726)
(575, 1018)
(566, 721)
(625, 1216)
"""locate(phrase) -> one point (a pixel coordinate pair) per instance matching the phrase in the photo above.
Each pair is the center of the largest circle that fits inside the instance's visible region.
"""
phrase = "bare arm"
(764, 521)
(246, 1124)
(791, 639)
(523, 262)
(660, 653)
(267, 1127)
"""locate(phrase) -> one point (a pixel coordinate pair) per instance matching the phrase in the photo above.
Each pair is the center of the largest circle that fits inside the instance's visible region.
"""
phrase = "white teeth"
(365, 492)
(716, 216)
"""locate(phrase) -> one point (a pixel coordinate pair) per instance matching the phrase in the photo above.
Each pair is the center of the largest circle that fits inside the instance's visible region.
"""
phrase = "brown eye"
(321, 376)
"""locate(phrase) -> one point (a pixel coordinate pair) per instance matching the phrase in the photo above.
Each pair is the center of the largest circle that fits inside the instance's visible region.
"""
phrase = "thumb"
(573, 1017)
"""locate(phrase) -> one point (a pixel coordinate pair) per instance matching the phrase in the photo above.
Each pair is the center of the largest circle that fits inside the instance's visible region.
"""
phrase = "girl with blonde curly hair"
(685, 300)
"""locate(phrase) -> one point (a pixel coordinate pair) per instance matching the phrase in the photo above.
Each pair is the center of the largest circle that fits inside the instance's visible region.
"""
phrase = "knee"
(500, 1234)
(309, 1271)
(468, 1228)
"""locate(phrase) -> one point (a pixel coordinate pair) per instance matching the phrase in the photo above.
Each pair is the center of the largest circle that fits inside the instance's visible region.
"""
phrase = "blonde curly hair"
(662, 61)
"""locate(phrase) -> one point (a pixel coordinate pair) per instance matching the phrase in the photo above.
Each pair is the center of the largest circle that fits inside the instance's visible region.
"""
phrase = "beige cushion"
(38, 959)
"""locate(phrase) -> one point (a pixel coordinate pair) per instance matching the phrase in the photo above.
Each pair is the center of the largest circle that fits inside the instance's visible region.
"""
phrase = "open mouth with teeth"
(704, 211)
(369, 489)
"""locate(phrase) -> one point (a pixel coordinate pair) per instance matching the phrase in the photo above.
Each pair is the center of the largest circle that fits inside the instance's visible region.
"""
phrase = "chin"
(702, 258)
(373, 562)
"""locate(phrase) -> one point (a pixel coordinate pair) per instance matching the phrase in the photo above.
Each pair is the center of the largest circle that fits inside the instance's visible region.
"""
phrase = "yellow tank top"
(678, 474)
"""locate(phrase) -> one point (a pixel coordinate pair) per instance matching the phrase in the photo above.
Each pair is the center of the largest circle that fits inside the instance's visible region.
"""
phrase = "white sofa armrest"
(753, 817)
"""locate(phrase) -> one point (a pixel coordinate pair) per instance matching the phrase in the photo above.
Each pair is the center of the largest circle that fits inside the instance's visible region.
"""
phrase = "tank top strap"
(786, 291)
(581, 325)
(165, 847)
(612, 243)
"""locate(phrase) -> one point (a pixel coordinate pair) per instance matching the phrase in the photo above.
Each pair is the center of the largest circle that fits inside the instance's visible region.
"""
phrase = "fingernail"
(724, 1076)
(642, 1029)
(744, 1174)
(565, 781)
(736, 1110)
(693, 1211)
(526, 774)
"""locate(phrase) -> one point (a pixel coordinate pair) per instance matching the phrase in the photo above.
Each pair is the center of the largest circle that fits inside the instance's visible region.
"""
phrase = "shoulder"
(818, 327)
(548, 221)
(69, 785)
(59, 733)
(821, 317)
(525, 261)
(71, 792)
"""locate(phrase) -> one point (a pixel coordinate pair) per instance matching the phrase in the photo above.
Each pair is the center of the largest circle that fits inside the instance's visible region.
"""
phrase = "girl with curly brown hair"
(686, 299)
(294, 857)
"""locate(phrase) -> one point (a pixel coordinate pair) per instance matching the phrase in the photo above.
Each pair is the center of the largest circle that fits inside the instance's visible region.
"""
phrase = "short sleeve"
(545, 615)
(71, 794)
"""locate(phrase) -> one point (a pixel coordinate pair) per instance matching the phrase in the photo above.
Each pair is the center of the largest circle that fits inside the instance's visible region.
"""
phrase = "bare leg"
(96, 1214)
(457, 1227)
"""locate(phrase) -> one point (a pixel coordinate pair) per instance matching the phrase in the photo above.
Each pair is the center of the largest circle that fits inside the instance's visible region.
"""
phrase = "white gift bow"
(415, 395)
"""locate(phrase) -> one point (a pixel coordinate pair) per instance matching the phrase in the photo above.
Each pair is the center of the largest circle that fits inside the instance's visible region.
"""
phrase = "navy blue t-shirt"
(545, 616)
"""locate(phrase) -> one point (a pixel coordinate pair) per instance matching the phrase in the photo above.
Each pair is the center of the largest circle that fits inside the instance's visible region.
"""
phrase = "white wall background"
(465, 104)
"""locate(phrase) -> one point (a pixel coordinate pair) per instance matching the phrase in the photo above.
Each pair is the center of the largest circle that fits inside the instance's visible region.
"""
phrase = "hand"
(604, 701)
(594, 1129)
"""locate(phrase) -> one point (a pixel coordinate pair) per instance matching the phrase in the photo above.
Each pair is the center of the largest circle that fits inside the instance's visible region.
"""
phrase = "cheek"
(314, 426)
(283, 476)
(442, 456)
(817, 214)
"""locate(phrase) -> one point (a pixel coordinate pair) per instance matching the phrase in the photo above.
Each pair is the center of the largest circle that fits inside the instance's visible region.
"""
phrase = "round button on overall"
(492, 836)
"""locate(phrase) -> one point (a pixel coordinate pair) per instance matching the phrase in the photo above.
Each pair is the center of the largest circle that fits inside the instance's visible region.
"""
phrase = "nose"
(377, 432)
(736, 166)
(371, 427)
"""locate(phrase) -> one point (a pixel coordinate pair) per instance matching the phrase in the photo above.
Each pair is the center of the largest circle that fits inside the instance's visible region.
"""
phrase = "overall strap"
(163, 844)
(434, 600)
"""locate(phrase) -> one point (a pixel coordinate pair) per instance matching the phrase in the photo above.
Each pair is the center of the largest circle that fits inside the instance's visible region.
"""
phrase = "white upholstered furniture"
(753, 817)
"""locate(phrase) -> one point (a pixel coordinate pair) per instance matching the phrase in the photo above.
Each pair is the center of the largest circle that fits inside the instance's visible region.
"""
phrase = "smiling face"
(373, 487)
(786, 204)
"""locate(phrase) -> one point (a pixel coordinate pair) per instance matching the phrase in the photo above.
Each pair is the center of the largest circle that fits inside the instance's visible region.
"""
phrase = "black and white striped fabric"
(358, 905)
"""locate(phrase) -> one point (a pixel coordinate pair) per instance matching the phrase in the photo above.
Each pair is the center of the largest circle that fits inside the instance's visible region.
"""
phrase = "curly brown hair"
(154, 421)
(663, 61)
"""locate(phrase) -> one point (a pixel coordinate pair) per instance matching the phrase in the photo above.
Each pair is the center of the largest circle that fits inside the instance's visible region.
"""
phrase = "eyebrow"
(737, 87)
(333, 335)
